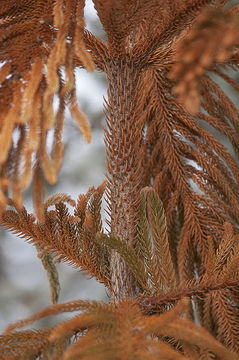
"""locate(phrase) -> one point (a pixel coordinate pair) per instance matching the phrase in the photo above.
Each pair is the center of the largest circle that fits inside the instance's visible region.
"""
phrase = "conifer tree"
(169, 258)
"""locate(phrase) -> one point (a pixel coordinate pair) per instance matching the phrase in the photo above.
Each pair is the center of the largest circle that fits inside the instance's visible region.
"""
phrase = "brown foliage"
(170, 255)
(34, 48)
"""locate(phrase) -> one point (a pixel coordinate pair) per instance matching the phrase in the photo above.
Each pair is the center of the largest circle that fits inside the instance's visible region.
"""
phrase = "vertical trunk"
(123, 137)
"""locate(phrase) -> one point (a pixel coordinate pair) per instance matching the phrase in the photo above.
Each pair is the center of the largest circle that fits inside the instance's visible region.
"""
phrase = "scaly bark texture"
(123, 137)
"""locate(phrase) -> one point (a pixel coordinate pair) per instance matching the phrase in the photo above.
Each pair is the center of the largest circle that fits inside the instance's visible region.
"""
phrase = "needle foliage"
(169, 256)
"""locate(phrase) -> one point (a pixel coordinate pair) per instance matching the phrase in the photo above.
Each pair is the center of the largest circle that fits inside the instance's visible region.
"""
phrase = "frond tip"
(153, 245)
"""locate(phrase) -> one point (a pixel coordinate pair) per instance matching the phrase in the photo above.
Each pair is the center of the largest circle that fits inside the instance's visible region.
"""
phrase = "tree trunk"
(123, 137)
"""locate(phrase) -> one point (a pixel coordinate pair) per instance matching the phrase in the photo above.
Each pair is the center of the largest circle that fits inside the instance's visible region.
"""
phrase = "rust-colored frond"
(159, 231)
(200, 49)
(39, 43)
(145, 247)
(70, 306)
(70, 238)
(224, 302)
(28, 344)
(198, 190)
(58, 198)
(153, 245)
(104, 330)
(198, 212)
(225, 307)
(198, 289)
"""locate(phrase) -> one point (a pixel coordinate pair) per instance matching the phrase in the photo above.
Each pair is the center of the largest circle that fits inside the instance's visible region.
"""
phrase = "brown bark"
(124, 149)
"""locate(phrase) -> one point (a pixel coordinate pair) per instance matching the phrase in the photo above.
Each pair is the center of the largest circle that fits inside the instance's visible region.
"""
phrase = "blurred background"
(23, 282)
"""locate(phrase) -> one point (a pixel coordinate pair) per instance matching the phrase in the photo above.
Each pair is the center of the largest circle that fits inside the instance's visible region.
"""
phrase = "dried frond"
(26, 344)
(145, 246)
(94, 206)
(225, 314)
(198, 336)
(197, 289)
(153, 243)
(122, 330)
(223, 304)
(71, 238)
(200, 49)
(57, 199)
(226, 246)
(161, 249)
(69, 306)
(80, 118)
(50, 35)
(80, 50)
(184, 158)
